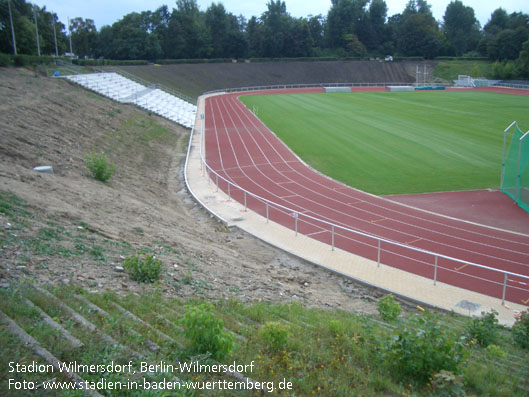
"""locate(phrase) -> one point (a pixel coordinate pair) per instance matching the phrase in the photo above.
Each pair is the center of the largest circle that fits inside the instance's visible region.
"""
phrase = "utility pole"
(70, 30)
(54, 35)
(36, 29)
(12, 29)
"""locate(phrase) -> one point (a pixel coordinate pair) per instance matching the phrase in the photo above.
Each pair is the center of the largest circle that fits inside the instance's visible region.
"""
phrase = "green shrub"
(336, 328)
(422, 348)
(484, 329)
(445, 383)
(5, 60)
(19, 60)
(496, 351)
(99, 166)
(520, 330)
(275, 336)
(388, 308)
(206, 331)
(143, 270)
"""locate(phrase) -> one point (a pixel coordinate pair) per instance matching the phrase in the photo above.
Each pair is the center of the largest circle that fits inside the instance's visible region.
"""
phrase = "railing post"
(504, 289)
(378, 252)
(332, 237)
(435, 272)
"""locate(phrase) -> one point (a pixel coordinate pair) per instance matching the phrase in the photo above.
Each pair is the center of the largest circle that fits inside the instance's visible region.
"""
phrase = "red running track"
(242, 150)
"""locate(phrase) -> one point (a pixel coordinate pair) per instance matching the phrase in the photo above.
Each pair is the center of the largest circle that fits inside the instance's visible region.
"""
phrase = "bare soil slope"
(79, 229)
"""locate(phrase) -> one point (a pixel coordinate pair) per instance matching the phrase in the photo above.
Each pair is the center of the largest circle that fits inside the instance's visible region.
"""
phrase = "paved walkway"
(355, 267)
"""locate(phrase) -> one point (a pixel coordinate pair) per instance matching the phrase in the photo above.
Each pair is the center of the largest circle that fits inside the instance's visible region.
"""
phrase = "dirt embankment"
(81, 229)
(195, 79)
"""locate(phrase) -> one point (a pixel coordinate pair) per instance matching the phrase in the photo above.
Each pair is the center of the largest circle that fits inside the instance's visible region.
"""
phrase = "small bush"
(99, 166)
(206, 331)
(5, 60)
(336, 328)
(19, 60)
(445, 383)
(275, 336)
(388, 308)
(422, 348)
(484, 329)
(520, 330)
(143, 270)
(496, 351)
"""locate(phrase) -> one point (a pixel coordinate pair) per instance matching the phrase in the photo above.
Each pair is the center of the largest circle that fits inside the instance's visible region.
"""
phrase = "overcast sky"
(106, 12)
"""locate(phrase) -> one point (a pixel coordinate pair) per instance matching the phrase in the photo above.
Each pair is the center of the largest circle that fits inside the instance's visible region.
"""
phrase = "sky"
(106, 12)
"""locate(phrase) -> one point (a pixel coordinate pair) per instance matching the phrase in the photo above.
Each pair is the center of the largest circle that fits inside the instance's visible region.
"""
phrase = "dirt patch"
(80, 230)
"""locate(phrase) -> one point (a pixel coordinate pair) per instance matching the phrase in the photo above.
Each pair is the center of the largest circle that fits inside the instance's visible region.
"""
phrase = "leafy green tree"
(84, 36)
(419, 36)
(225, 33)
(316, 24)
(22, 15)
(191, 38)
(461, 27)
(128, 39)
(524, 59)
(346, 18)
(378, 31)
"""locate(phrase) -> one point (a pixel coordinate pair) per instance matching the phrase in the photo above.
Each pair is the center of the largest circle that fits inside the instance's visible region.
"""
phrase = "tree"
(22, 16)
(84, 36)
(187, 32)
(128, 39)
(504, 35)
(461, 27)
(225, 32)
(419, 36)
(316, 24)
(346, 18)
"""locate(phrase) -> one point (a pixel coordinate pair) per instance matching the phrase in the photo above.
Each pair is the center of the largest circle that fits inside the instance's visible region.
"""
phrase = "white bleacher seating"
(122, 89)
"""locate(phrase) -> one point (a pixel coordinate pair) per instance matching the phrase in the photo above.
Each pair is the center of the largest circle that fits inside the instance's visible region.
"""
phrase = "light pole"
(36, 29)
(12, 29)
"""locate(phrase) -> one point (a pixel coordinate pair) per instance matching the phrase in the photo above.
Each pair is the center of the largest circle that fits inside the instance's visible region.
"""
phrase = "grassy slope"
(449, 70)
(394, 143)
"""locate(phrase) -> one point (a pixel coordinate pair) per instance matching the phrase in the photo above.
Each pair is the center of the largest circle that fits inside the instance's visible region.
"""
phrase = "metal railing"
(338, 230)
(303, 85)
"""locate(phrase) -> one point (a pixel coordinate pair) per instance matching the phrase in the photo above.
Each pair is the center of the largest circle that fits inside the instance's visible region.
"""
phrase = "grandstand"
(124, 90)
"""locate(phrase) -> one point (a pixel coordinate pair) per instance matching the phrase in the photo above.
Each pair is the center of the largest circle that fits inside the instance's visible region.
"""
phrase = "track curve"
(241, 149)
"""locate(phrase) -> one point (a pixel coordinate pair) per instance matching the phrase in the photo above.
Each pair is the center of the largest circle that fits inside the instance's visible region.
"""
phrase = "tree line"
(351, 28)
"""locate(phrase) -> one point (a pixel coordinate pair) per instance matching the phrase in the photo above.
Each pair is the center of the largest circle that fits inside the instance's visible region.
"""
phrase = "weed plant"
(422, 348)
(206, 331)
(388, 308)
(101, 169)
(143, 270)
(520, 330)
(484, 329)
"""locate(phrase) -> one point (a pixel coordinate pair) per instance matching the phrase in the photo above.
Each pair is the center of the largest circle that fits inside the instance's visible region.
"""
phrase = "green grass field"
(397, 143)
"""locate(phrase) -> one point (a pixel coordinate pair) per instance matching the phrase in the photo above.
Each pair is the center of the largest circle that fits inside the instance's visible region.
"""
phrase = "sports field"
(397, 143)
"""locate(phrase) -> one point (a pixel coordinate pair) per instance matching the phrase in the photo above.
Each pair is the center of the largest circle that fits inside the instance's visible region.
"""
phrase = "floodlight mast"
(55, 35)
(12, 28)
(36, 30)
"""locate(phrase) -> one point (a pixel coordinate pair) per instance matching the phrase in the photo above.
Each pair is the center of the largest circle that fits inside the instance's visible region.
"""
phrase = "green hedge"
(462, 59)
(104, 62)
